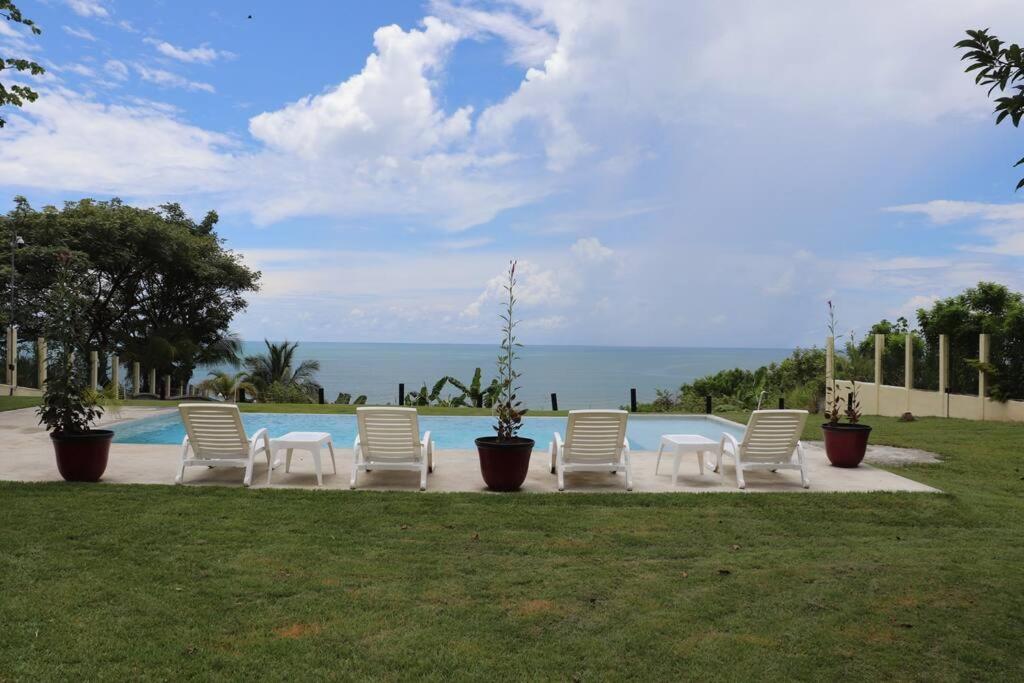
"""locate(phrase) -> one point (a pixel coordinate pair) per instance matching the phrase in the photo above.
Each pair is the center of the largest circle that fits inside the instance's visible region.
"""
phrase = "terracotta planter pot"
(83, 456)
(504, 464)
(845, 444)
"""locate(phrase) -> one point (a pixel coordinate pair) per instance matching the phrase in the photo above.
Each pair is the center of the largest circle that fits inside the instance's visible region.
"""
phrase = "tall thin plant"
(507, 409)
(833, 401)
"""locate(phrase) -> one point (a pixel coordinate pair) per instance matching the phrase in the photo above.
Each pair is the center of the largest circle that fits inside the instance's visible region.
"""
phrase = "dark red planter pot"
(82, 457)
(846, 444)
(504, 464)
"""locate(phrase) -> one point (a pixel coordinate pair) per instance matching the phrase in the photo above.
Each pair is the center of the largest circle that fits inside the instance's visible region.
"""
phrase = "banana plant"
(472, 394)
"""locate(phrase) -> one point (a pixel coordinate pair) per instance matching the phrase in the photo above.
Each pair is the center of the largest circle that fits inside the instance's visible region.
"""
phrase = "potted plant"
(845, 444)
(69, 407)
(505, 458)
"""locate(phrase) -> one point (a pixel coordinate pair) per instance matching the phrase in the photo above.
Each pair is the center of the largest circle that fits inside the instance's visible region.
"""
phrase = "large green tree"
(998, 66)
(161, 288)
(990, 308)
(13, 93)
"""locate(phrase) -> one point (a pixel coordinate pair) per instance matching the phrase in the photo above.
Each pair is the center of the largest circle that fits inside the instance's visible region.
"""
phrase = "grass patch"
(161, 582)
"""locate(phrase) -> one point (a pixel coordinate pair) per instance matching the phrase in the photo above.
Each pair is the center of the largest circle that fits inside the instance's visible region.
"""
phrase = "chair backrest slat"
(595, 436)
(389, 434)
(215, 430)
(772, 435)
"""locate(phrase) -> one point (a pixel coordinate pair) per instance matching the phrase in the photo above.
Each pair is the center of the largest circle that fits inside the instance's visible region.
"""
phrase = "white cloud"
(80, 69)
(529, 45)
(116, 69)
(95, 148)
(167, 79)
(590, 250)
(88, 8)
(204, 54)
(79, 33)
(1001, 225)
(388, 108)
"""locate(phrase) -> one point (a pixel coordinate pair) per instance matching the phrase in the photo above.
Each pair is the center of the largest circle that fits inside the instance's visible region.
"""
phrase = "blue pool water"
(447, 431)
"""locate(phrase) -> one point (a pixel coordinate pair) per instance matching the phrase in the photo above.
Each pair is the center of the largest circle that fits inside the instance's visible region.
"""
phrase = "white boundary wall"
(878, 398)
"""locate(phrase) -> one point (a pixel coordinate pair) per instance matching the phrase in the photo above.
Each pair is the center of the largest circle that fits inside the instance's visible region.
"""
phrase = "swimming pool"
(448, 431)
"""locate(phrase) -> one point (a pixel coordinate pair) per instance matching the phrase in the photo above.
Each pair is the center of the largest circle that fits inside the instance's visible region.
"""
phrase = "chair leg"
(288, 461)
(561, 478)
(317, 465)
(629, 474)
(181, 473)
(330, 449)
(247, 481)
(355, 467)
(740, 481)
(804, 481)
(657, 463)
(423, 476)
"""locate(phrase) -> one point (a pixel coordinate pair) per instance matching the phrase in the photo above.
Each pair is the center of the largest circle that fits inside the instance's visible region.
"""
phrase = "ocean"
(581, 376)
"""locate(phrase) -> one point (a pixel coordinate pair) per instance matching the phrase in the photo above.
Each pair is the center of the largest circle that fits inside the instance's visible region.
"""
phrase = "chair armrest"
(261, 433)
(729, 439)
(558, 440)
(426, 439)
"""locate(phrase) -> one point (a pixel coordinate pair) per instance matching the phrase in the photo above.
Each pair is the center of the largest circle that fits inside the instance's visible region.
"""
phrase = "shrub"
(279, 392)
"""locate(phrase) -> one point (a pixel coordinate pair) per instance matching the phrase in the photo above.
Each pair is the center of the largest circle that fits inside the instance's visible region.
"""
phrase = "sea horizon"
(581, 375)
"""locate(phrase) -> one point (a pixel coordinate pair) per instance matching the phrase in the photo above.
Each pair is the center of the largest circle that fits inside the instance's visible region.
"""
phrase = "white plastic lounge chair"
(215, 434)
(768, 444)
(389, 439)
(595, 441)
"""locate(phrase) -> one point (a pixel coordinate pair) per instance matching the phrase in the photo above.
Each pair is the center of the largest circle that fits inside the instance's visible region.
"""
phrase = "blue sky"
(667, 173)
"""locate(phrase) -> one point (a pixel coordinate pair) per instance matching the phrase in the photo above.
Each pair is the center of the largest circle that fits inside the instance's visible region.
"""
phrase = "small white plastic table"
(303, 441)
(685, 443)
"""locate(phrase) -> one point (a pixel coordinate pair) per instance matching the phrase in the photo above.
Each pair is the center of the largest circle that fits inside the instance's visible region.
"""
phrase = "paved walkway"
(28, 456)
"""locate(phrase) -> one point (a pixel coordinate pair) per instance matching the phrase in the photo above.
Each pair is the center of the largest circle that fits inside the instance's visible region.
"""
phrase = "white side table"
(685, 443)
(303, 441)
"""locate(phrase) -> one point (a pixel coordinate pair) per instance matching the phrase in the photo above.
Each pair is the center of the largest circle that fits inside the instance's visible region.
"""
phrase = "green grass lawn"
(156, 582)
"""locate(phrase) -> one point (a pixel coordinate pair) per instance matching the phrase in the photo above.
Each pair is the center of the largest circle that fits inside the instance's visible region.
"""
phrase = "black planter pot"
(504, 464)
(845, 444)
(82, 456)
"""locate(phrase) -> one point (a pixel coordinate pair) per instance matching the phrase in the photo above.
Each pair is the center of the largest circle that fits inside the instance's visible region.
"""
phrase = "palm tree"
(227, 385)
(276, 365)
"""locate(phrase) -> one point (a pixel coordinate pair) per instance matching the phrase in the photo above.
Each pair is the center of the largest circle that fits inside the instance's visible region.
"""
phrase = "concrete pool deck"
(28, 457)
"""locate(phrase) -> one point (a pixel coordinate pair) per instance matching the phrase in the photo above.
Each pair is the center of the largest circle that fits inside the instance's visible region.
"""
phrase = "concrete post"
(41, 361)
(181, 392)
(167, 387)
(136, 377)
(152, 381)
(908, 367)
(115, 374)
(944, 372)
(94, 369)
(830, 368)
(879, 348)
(984, 342)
